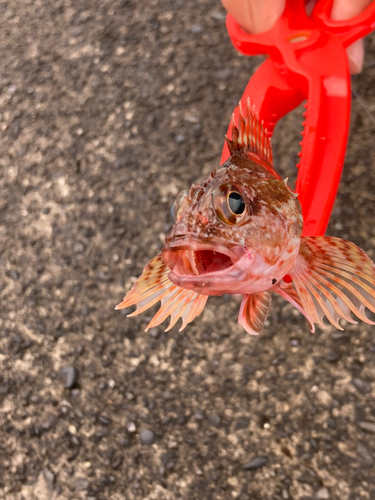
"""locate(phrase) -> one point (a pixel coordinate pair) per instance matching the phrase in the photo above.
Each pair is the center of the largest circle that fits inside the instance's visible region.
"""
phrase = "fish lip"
(234, 253)
(188, 245)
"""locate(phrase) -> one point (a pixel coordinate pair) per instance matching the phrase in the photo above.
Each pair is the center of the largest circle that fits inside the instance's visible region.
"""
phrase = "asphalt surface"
(107, 110)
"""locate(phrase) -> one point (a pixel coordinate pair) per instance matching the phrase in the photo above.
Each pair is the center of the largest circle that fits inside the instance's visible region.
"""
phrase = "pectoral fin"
(288, 292)
(333, 278)
(154, 285)
(253, 311)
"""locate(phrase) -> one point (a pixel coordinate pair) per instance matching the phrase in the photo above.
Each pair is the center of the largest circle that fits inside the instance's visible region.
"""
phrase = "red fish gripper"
(307, 61)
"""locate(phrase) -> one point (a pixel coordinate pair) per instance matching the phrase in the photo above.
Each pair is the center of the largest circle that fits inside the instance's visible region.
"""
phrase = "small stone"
(242, 423)
(49, 478)
(168, 459)
(116, 460)
(111, 384)
(367, 426)
(147, 437)
(69, 375)
(131, 427)
(101, 433)
(256, 463)
(223, 74)
(331, 423)
(215, 420)
(361, 386)
(180, 138)
(196, 29)
(80, 484)
(167, 396)
(104, 420)
(364, 455)
(219, 16)
(337, 335)
(294, 342)
(322, 494)
(285, 494)
(199, 415)
(154, 332)
(332, 357)
(123, 441)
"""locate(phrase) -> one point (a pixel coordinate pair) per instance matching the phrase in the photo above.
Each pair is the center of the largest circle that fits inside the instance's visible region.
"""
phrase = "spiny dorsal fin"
(250, 134)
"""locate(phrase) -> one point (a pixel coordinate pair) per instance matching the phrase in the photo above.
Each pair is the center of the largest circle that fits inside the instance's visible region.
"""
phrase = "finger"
(346, 9)
(356, 56)
(255, 16)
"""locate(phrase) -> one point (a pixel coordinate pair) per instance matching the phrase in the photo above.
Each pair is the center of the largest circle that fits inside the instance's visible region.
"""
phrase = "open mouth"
(194, 259)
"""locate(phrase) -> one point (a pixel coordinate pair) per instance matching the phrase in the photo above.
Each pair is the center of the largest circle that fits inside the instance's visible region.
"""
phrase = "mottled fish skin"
(240, 232)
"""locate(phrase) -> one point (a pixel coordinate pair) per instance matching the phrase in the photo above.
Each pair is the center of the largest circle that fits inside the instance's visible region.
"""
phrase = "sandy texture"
(107, 110)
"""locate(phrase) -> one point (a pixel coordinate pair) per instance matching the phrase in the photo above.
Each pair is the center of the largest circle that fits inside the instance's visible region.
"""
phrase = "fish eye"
(236, 203)
(176, 208)
(229, 205)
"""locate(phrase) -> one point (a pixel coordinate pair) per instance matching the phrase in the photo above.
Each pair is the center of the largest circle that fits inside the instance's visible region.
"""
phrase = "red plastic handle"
(307, 61)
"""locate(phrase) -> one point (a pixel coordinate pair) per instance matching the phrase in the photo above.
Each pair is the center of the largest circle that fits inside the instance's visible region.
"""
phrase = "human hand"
(256, 16)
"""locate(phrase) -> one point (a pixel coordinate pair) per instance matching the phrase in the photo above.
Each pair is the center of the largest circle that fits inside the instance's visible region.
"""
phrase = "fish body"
(240, 232)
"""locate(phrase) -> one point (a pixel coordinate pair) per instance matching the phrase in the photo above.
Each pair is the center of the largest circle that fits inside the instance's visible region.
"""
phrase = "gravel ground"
(107, 110)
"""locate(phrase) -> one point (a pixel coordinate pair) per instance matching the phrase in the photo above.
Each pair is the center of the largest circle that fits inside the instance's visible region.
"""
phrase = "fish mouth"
(191, 259)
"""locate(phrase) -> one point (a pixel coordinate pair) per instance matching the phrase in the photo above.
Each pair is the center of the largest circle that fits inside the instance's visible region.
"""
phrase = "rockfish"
(241, 233)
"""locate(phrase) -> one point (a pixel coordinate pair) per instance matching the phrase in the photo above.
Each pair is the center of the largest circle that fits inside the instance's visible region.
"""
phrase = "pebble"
(333, 357)
(131, 427)
(80, 484)
(255, 463)
(364, 455)
(223, 74)
(242, 423)
(69, 375)
(331, 423)
(147, 437)
(167, 396)
(49, 478)
(154, 332)
(337, 335)
(196, 28)
(104, 420)
(322, 494)
(180, 138)
(367, 426)
(199, 415)
(116, 460)
(123, 441)
(361, 386)
(215, 420)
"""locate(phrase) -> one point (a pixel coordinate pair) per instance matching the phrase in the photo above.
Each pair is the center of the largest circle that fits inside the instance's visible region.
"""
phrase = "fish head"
(237, 233)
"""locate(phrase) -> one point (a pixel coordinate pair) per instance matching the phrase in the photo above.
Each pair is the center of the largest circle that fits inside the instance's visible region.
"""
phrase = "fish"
(240, 233)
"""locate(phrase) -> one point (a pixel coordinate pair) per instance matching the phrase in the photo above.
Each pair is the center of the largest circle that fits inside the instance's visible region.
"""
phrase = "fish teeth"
(190, 254)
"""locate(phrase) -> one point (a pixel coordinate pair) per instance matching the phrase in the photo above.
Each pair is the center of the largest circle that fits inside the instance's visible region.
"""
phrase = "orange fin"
(253, 311)
(154, 285)
(288, 292)
(250, 135)
(333, 278)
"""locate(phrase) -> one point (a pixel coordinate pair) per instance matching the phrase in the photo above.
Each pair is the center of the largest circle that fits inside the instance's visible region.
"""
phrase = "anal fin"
(253, 312)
